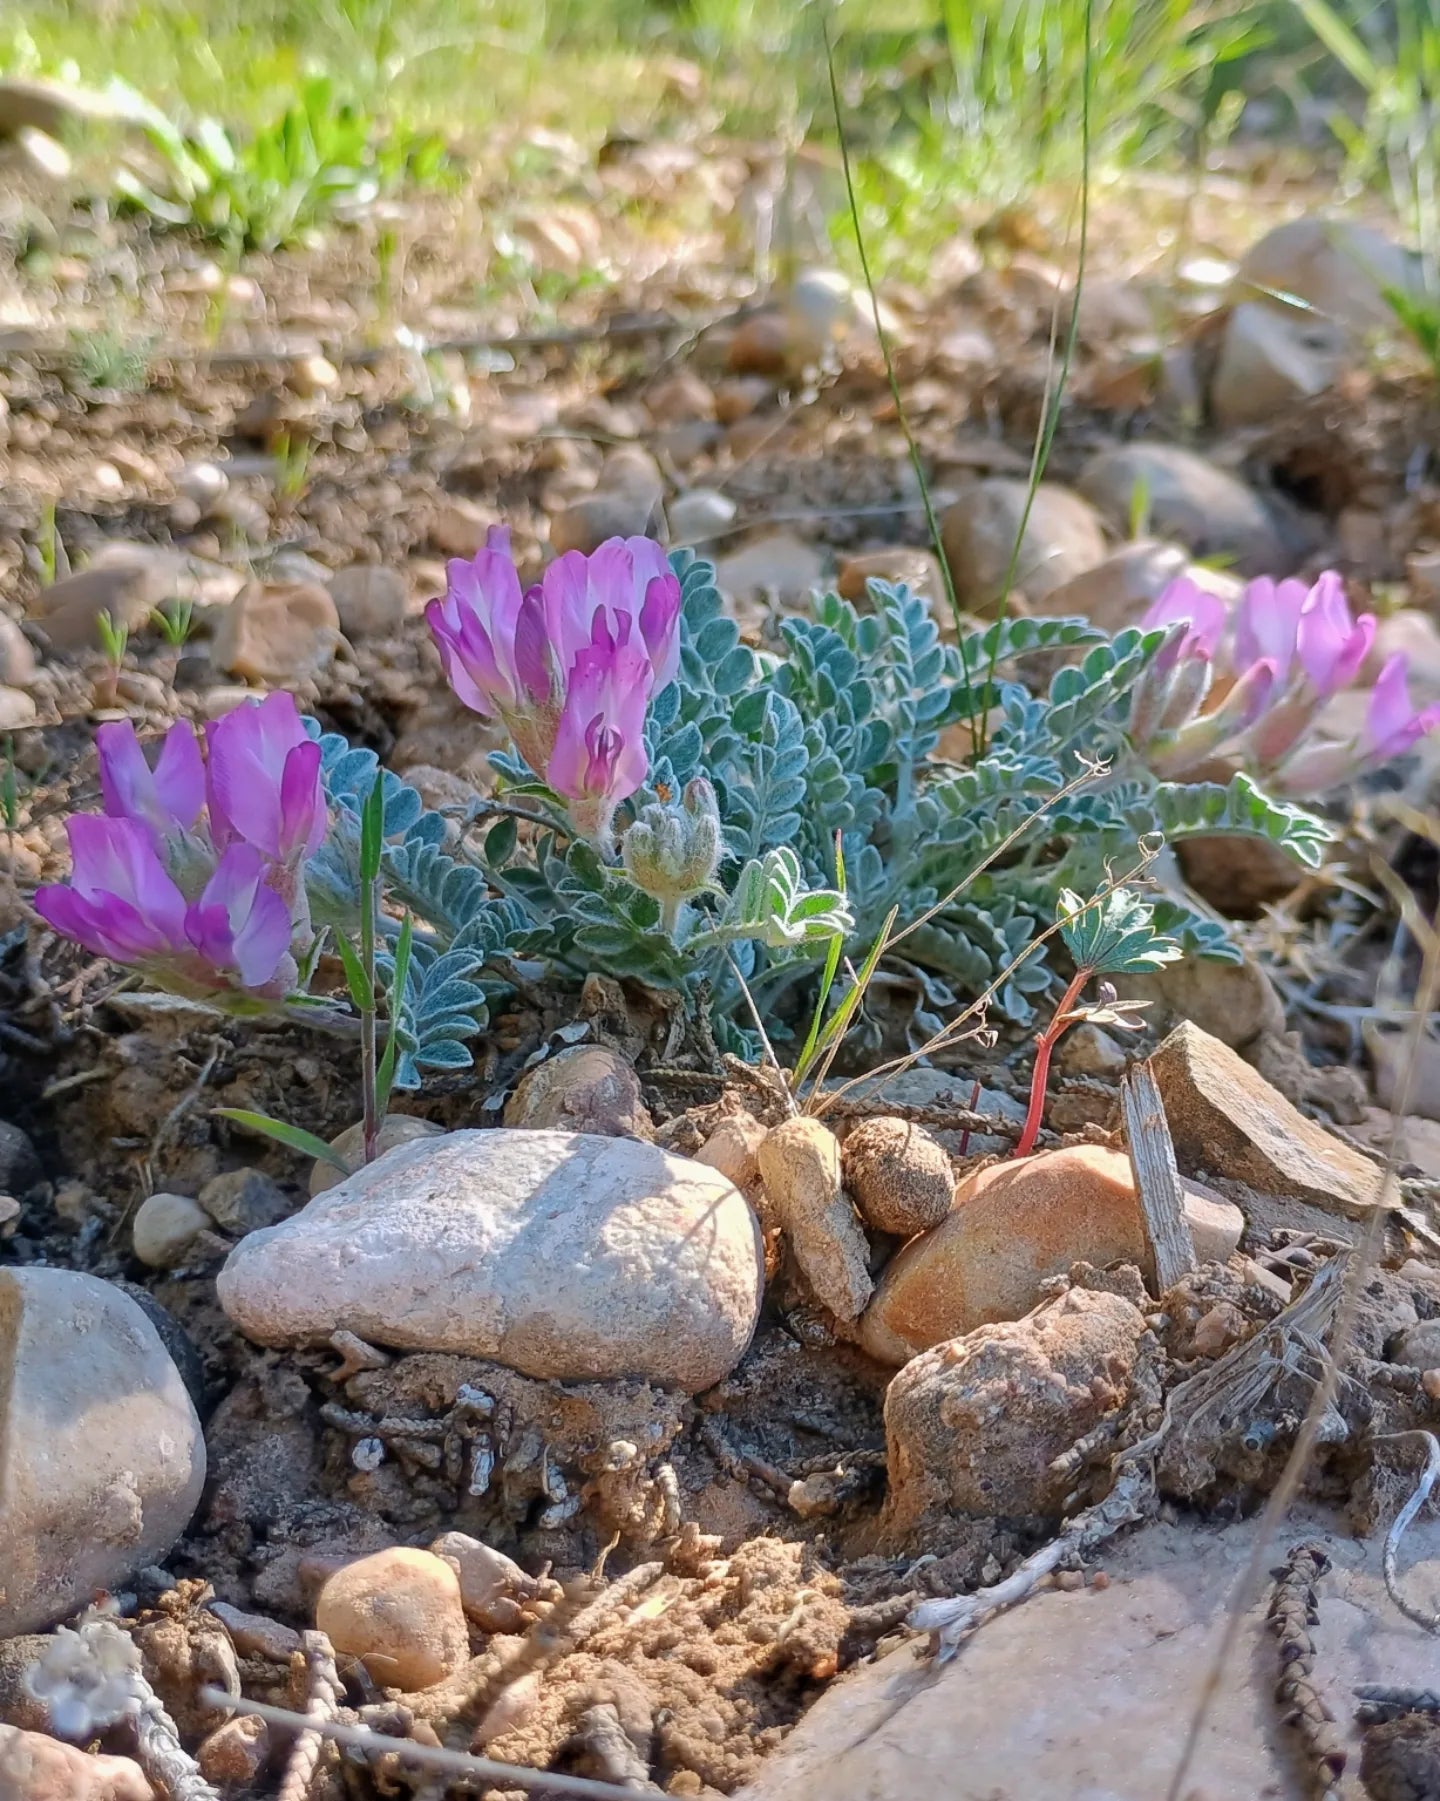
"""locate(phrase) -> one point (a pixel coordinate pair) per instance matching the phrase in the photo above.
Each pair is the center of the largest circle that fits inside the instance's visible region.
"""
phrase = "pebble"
(202, 484)
(1234, 1002)
(584, 1088)
(973, 1425)
(557, 1254)
(1337, 269)
(1238, 874)
(124, 1463)
(1268, 361)
(698, 516)
(492, 1585)
(1086, 1694)
(399, 1612)
(19, 1165)
(680, 398)
(778, 563)
(128, 581)
(742, 395)
(734, 1149)
(897, 1175)
(800, 1166)
(459, 527)
(234, 1754)
(395, 1129)
(36, 1767)
(370, 600)
(243, 1200)
(919, 570)
(1087, 1050)
(628, 503)
(1226, 1119)
(1418, 1346)
(17, 656)
(1117, 592)
(1012, 1227)
(1205, 508)
(1063, 538)
(255, 1634)
(312, 375)
(165, 1228)
(277, 633)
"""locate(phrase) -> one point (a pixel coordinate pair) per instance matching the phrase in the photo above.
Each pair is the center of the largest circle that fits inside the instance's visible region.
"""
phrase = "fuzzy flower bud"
(673, 852)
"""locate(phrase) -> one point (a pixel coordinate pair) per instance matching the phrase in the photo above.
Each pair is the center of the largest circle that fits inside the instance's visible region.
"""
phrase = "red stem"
(1044, 1045)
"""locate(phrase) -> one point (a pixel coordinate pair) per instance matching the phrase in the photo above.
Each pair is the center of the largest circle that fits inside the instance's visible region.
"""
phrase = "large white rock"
(102, 1459)
(1089, 1695)
(558, 1254)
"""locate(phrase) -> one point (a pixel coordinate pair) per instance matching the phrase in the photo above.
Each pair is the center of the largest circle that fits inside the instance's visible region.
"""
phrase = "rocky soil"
(617, 1416)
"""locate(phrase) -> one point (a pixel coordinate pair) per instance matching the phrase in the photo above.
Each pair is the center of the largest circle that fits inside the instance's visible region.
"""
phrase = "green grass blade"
(384, 1081)
(295, 1138)
(362, 989)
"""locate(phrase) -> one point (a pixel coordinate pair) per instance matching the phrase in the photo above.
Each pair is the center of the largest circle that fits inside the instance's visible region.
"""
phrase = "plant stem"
(1044, 1045)
(369, 901)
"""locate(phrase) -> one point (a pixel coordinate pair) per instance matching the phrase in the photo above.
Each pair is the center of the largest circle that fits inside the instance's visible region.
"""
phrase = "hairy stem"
(1044, 1045)
(369, 902)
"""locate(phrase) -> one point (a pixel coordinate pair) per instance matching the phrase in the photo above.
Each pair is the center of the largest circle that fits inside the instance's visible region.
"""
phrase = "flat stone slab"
(1227, 1120)
(1088, 1695)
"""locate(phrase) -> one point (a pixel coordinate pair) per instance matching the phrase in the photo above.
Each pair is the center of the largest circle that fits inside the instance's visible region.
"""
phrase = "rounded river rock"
(559, 1254)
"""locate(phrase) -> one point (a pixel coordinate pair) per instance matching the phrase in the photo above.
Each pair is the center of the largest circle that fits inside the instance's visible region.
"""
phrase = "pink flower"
(476, 627)
(625, 579)
(264, 781)
(1204, 613)
(519, 656)
(121, 903)
(1392, 724)
(168, 798)
(1331, 648)
(599, 756)
(1267, 622)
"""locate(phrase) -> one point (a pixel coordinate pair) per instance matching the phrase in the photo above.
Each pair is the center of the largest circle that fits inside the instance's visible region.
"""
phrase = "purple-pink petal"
(1267, 621)
(302, 802)
(240, 924)
(250, 751)
(1331, 646)
(532, 660)
(660, 626)
(167, 798)
(600, 744)
(120, 902)
(1392, 724)
(1204, 613)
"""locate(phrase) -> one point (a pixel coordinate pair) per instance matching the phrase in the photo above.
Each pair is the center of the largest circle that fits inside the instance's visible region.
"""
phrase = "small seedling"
(1113, 934)
(114, 639)
(49, 545)
(292, 465)
(175, 621)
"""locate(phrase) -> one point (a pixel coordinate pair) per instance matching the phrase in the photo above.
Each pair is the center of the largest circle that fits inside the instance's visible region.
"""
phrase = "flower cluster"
(194, 872)
(1251, 687)
(568, 665)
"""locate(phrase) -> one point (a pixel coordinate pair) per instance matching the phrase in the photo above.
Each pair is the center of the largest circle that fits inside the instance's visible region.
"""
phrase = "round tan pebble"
(399, 1612)
(36, 1767)
(395, 1129)
(1430, 1382)
(165, 1229)
(898, 1176)
(236, 1752)
(584, 1088)
(734, 1149)
(492, 1585)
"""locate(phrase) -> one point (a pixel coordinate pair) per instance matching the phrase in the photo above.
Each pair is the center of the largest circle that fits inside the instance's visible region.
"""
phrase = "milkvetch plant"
(677, 808)
(1251, 687)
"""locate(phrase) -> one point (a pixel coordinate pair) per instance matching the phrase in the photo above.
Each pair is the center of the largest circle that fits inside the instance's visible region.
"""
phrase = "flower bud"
(673, 852)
